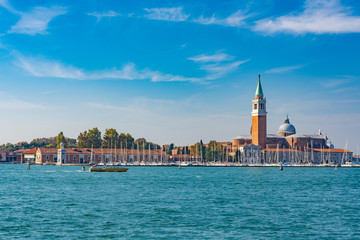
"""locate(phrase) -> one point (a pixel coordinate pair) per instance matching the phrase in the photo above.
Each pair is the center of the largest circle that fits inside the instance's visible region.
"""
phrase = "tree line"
(91, 138)
(47, 142)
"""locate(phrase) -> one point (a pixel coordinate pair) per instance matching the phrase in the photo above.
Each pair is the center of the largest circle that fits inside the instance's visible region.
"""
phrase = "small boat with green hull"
(96, 168)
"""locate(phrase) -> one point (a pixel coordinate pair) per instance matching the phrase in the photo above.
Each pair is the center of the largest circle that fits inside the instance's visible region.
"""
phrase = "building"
(99, 155)
(29, 155)
(258, 126)
(287, 144)
(3, 156)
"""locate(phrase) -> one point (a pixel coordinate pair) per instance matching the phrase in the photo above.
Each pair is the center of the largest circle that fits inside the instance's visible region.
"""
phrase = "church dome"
(286, 128)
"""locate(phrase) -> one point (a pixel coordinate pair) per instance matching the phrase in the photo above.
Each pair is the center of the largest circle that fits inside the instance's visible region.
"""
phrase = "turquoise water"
(169, 203)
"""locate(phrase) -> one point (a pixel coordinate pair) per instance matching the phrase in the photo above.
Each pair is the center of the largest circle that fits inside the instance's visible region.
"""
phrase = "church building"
(286, 136)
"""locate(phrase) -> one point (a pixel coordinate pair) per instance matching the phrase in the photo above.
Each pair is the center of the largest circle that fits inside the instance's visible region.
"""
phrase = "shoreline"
(206, 165)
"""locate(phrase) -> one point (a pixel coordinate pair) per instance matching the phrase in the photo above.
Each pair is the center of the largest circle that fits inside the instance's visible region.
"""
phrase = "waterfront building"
(11, 157)
(99, 155)
(3, 156)
(287, 143)
(29, 155)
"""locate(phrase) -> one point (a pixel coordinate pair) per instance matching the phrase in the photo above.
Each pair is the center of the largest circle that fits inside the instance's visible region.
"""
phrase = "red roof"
(47, 150)
(30, 151)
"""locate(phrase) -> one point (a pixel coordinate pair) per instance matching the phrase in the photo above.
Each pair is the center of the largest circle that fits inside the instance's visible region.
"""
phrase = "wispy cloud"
(284, 69)
(166, 14)
(9, 102)
(34, 22)
(41, 67)
(217, 65)
(330, 83)
(218, 57)
(348, 89)
(318, 17)
(234, 20)
(106, 106)
(108, 14)
(7, 5)
(217, 70)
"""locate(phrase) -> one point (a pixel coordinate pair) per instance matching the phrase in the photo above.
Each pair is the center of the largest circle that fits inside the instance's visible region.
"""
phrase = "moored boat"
(106, 169)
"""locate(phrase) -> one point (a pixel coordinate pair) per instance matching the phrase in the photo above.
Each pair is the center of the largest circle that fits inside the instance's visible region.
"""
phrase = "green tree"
(61, 139)
(94, 138)
(202, 151)
(88, 139)
(141, 142)
(171, 147)
(71, 142)
(83, 140)
(125, 140)
(110, 138)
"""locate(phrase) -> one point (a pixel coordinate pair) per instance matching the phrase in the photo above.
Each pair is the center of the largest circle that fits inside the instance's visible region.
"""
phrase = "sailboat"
(105, 168)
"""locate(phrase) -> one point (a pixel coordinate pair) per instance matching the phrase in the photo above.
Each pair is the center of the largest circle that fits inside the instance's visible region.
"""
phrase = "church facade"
(286, 139)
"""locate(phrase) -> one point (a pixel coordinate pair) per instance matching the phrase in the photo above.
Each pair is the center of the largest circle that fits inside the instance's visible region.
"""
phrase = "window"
(255, 106)
(74, 158)
(261, 106)
(47, 157)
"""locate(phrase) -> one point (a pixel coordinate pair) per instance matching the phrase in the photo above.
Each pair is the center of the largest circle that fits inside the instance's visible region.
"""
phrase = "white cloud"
(234, 20)
(218, 57)
(217, 70)
(166, 14)
(318, 17)
(331, 83)
(36, 21)
(7, 5)
(99, 16)
(217, 65)
(284, 69)
(46, 68)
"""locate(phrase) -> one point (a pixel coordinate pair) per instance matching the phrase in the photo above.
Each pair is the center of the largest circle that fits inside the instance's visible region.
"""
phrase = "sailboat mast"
(91, 154)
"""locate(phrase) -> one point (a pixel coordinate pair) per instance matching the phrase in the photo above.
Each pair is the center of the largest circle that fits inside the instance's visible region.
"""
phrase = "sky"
(178, 71)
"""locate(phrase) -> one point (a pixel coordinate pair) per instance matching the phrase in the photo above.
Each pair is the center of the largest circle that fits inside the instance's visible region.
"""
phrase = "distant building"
(3, 155)
(287, 137)
(258, 126)
(98, 155)
(29, 155)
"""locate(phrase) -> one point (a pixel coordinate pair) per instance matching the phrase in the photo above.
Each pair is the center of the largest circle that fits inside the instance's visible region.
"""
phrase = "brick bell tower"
(258, 126)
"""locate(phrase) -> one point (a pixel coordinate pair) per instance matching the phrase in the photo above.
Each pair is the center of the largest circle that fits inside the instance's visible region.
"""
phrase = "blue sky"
(178, 71)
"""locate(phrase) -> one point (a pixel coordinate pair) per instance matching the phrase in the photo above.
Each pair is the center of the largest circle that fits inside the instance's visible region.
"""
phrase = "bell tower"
(258, 126)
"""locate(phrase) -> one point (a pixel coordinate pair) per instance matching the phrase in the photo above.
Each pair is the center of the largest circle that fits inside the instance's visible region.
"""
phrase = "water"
(170, 203)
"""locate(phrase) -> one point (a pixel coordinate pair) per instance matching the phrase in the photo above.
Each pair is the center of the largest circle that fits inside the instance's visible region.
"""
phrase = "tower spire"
(259, 91)
(258, 126)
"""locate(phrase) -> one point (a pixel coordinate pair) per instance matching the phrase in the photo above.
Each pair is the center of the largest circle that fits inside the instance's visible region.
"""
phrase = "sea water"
(51, 202)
